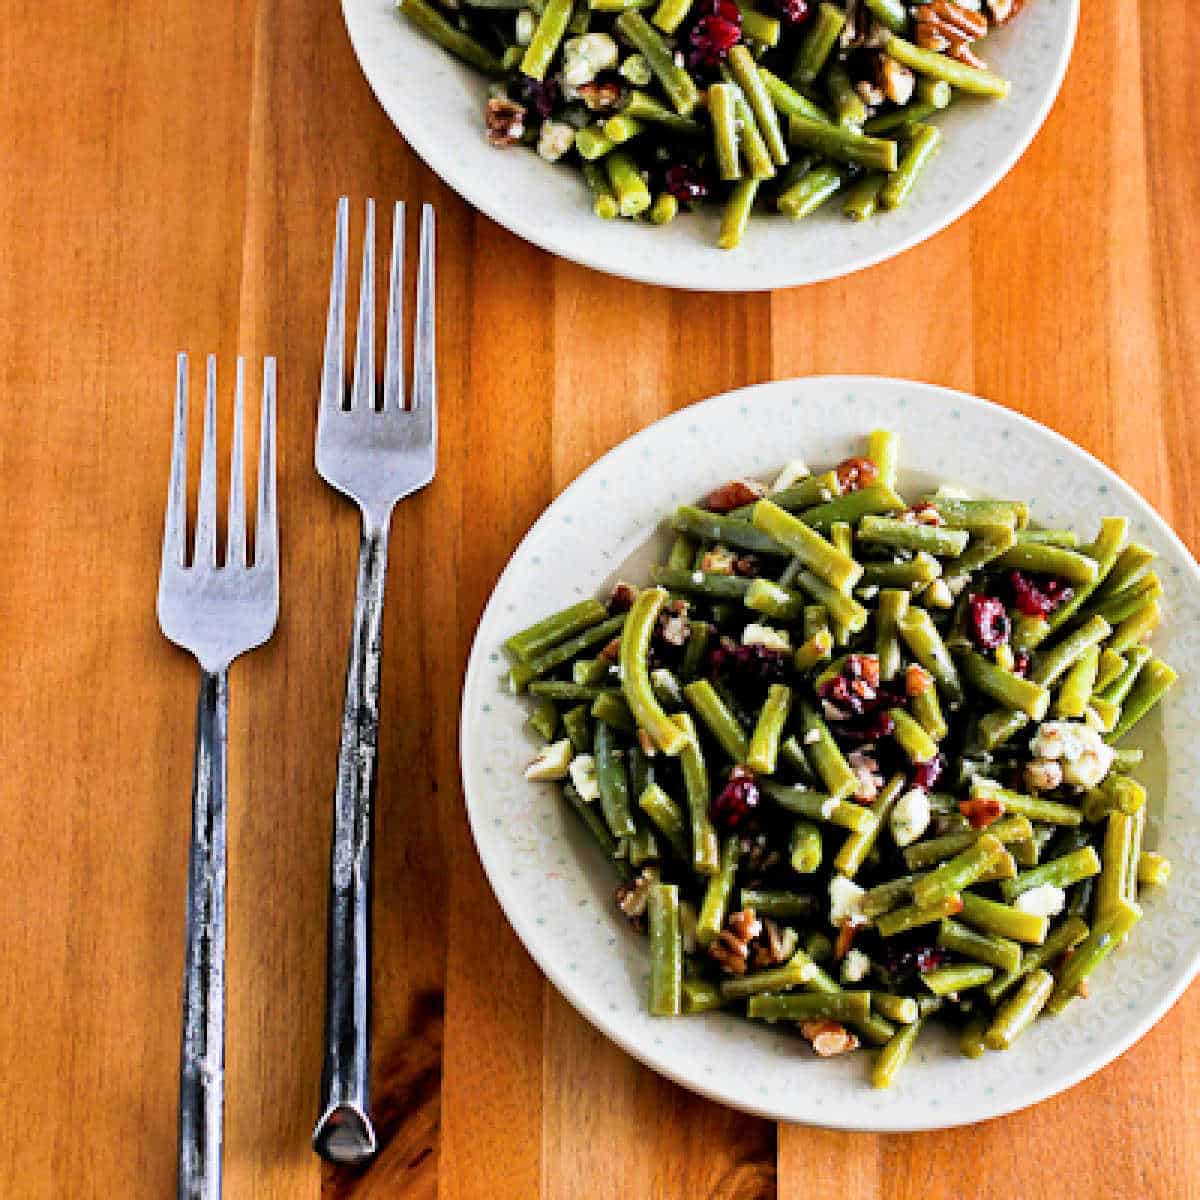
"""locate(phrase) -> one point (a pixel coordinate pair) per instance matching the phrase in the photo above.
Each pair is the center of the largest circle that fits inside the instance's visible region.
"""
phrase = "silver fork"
(216, 613)
(376, 456)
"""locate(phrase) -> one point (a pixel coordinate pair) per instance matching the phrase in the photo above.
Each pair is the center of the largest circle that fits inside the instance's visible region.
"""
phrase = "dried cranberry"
(736, 799)
(792, 12)
(540, 95)
(872, 728)
(748, 663)
(913, 961)
(1040, 597)
(1021, 663)
(990, 625)
(717, 31)
(685, 183)
(926, 774)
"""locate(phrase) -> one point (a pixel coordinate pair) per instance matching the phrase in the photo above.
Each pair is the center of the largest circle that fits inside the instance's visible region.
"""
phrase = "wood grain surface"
(167, 181)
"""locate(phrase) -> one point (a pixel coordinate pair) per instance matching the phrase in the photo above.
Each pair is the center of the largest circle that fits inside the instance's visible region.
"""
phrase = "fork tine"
(206, 513)
(393, 362)
(235, 546)
(362, 395)
(266, 542)
(424, 350)
(333, 372)
(175, 527)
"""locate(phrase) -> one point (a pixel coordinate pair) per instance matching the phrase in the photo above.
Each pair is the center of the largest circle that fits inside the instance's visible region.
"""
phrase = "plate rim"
(477, 662)
(426, 149)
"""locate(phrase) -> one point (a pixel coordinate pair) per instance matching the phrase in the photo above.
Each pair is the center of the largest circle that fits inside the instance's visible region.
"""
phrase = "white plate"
(555, 887)
(437, 104)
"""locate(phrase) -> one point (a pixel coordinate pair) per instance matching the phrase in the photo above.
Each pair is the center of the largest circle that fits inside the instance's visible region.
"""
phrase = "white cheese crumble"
(855, 966)
(956, 583)
(869, 591)
(764, 635)
(792, 473)
(586, 56)
(1084, 754)
(583, 776)
(555, 139)
(828, 807)
(1045, 901)
(526, 21)
(552, 762)
(812, 737)
(910, 817)
(845, 901)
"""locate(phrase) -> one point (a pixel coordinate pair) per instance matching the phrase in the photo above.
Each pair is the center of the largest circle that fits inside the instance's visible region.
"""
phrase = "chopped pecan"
(981, 811)
(631, 897)
(917, 680)
(856, 473)
(895, 79)
(623, 596)
(925, 514)
(611, 652)
(732, 947)
(1003, 10)
(845, 939)
(747, 566)
(828, 1037)
(718, 560)
(673, 624)
(774, 945)
(505, 120)
(949, 28)
(733, 495)
(601, 96)
(871, 94)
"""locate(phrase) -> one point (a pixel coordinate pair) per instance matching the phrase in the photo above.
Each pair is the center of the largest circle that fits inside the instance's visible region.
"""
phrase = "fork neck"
(376, 523)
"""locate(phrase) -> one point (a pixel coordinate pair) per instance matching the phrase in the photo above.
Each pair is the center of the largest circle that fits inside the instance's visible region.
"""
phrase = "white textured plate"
(437, 104)
(557, 889)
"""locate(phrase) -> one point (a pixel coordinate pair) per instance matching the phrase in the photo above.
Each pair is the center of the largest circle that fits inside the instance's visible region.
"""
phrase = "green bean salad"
(859, 763)
(781, 106)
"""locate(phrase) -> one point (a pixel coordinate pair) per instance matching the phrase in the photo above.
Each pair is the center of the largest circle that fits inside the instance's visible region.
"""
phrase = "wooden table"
(169, 175)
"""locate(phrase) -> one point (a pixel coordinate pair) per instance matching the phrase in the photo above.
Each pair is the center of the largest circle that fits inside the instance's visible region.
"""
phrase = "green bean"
(862, 198)
(884, 897)
(1061, 872)
(1007, 689)
(1051, 812)
(753, 146)
(848, 106)
(970, 1040)
(559, 627)
(725, 529)
(972, 80)
(810, 191)
(679, 86)
(1130, 567)
(722, 108)
(736, 214)
(1067, 934)
(667, 687)
(591, 821)
(824, 560)
(959, 872)
(911, 737)
(633, 196)
(431, 22)
(667, 817)
(1112, 885)
(544, 719)
(559, 689)
(1018, 1013)
(1153, 868)
(721, 722)
(922, 638)
(912, 535)
(1068, 539)
(705, 851)
(578, 729)
(1076, 690)
(764, 744)
(873, 1027)
(848, 1007)
(618, 6)
(621, 127)
(670, 14)
(742, 64)
(783, 906)
(844, 610)
(666, 949)
(857, 846)
(843, 145)
(789, 101)
(1135, 854)
(591, 672)
(990, 917)
(642, 107)
(547, 37)
(999, 952)
(995, 728)
(699, 583)
(892, 605)
(717, 894)
(883, 449)
(613, 779)
(1119, 688)
(1135, 627)
(957, 977)
(1112, 666)
(935, 850)
(1154, 681)
(812, 489)
(936, 92)
(796, 971)
(816, 649)
(901, 120)
(974, 515)
(604, 202)
(892, 1057)
(642, 847)
(922, 568)
(774, 601)
(757, 26)
(1104, 552)
(817, 806)
(901, 920)
(826, 758)
(523, 673)
(927, 710)
(1049, 665)
(1105, 936)
(700, 996)
(823, 32)
(612, 710)
(901, 1009)
(635, 674)
(917, 153)
(851, 506)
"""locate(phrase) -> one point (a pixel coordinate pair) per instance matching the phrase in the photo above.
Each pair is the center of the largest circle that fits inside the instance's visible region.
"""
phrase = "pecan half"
(733, 495)
(732, 947)
(856, 473)
(774, 945)
(1003, 10)
(828, 1037)
(505, 120)
(600, 96)
(949, 28)
(631, 897)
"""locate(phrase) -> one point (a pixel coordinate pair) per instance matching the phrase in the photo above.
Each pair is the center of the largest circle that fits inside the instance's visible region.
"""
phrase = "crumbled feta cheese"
(636, 69)
(956, 584)
(828, 807)
(551, 763)
(812, 737)
(586, 56)
(583, 776)
(764, 635)
(792, 472)
(1085, 756)
(665, 684)
(831, 712)
(869, 592)
(845, 901)
(1045, 901)
(855, 966)
(526, 21)
(939, 595)
(555, 139)
(1043, 775)
(910, 817)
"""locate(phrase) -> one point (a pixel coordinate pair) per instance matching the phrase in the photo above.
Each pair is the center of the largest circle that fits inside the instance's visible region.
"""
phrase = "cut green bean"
(613, 779)
(957, 977)
(817, 554)
(462, 45)
(862, 198)
(935, 92)
(922, 638)
(970, 1041)
(719, 719)
(826, 758)
(1018, 1013)
(990, 917)
(559, 627)
(780, 905)
(604, 199)
(935, 850)
(745, 71)
(1061, 872)
(1152, 684)
(1106, 935)
(670, 14)
(716, 896)
(918, 150)
(1067, 934)
(922, 568)
(736, 214)
(960, 872)
(892, 605)
(911, 737)
(643, 107)
(974, 81)
(912, 535)
(705, 851)
(901, 920)
(797, 971)
(891, 1058)
(722, 111)
(850, 506)
(1153, 869)
(635, 675)
(999, 952)
(857, 846)
(667, 817)
(848, 1007)
(927, 709)
(849, 109)
(997, 727)
(1007, 689)
(843, 145)
(824, 29)
(633, 196)
(666, 950)
(903, 1010)
(612, 710)
(700, 996)
(523, 673)
(977, 514)
(1050, 664)
(1052, 812)
(810, 191)
(547, 37)
(788, 101)
(753, 146)
(764, 744)
(758, 26)
(1076, 689)
(679, 86)
(817, 806)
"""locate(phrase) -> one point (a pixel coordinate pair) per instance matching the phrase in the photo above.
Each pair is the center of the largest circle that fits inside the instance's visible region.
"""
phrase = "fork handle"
(344, 1132)
(202, 1050)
